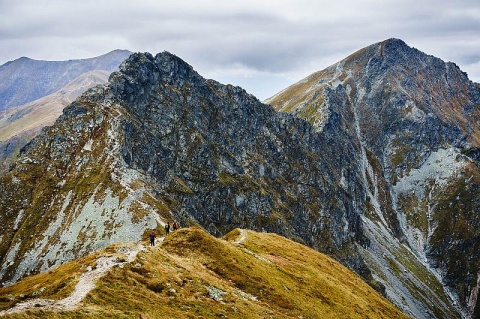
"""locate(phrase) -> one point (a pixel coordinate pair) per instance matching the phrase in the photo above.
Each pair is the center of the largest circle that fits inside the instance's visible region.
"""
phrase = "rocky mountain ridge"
(159, 142)
(417, 120)
(160, 148)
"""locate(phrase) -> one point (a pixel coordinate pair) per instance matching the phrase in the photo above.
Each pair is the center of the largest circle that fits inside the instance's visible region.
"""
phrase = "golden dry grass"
(194, 275)
(56, 284)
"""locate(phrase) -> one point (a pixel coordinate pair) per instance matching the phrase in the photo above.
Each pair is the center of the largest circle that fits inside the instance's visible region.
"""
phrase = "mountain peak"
(394, 41)
(141, 72)
(397, 47)
(114, 54)
(121, 51)
(165, 62)
(23, 58)
(408, 110)
(171, 63)
(387, 53)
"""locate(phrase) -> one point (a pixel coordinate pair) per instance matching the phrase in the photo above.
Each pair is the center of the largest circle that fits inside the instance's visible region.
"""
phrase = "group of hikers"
(153, 235)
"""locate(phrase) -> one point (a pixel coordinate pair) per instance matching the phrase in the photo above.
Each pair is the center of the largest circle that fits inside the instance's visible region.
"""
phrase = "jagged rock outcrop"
(417, 119)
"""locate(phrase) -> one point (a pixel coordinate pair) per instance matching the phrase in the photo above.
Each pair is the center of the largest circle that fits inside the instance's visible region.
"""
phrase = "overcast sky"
(261, 45)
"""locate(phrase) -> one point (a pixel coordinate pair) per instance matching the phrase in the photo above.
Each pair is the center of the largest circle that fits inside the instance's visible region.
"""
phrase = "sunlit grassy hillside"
(194, 275)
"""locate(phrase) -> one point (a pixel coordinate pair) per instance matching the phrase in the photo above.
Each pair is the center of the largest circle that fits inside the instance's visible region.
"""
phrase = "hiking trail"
(85, 284)
(243, 236)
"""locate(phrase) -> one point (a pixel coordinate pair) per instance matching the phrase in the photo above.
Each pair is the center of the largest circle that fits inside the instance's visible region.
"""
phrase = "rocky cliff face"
(221, 157)
(371, 175)
(160, 142)
(417, 120)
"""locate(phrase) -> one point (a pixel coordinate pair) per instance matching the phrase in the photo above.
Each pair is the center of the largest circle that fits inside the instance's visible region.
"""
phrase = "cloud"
(247, 41)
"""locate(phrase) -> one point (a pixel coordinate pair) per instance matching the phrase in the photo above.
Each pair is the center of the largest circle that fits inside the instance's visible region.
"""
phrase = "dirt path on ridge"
(85, 284)
(243, 236)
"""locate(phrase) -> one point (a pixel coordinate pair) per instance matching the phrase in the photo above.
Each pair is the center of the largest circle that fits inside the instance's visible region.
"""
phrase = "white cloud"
(244, 41)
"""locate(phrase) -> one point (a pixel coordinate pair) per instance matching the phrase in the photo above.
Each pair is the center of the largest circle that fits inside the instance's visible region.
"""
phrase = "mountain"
(35, 115)
(158, 142)
(416, 120)
(19, 124)
(25, 80)
(381, 173)
(194, 275)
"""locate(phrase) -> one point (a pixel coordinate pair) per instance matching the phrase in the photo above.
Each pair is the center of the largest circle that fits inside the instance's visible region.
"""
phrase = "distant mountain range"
(25, 80)
(46, 88)
(44, 111)
(374, 161)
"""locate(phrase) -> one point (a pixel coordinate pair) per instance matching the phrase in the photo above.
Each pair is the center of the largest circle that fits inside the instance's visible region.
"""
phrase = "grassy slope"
(194, 275)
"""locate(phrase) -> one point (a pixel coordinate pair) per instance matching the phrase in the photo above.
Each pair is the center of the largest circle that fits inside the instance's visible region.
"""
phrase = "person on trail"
(167, 228)
(175, 225)
(152, 238)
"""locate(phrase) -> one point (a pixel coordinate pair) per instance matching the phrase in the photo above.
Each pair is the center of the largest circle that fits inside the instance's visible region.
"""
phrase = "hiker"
(167, 228)
(152, 238)
(175, 225)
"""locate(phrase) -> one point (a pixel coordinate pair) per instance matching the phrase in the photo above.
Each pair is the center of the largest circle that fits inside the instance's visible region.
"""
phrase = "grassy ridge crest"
(192, 274)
